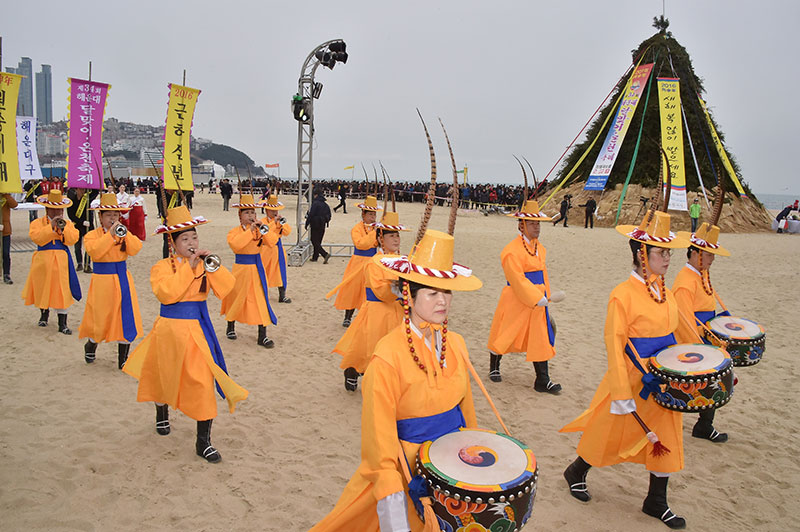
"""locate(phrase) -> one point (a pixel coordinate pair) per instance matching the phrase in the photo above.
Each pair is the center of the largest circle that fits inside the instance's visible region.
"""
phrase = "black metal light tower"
(326, 54)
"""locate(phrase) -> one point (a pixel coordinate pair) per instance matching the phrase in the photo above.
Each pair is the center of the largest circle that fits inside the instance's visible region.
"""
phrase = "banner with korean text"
(721, 150)
(275, 165)
(26, 148)
(177, 133)
(669, 105)
(87, 104)
(601, 170)
(9, 164)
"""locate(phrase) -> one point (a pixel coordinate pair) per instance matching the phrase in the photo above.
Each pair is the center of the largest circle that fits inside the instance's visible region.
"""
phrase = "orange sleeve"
(380, 446)
(42, 233)
(98, 244)
(526, 291)
(132, 244)
(286, 230)
(70, 234)
(379, 283)
(362, 238)
(168, 286)
(239, 239)
(616, 338)
(685, 333)
(221, 281)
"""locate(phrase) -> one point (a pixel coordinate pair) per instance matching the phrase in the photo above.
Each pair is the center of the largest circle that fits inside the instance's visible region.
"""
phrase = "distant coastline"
(777, 201)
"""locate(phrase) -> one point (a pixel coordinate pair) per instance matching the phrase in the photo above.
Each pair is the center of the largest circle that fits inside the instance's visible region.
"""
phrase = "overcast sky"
(506, 77)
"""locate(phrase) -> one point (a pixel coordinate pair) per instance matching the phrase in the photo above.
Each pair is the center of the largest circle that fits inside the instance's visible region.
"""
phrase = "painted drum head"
(478, 460)
(691, 359)
(735, 327)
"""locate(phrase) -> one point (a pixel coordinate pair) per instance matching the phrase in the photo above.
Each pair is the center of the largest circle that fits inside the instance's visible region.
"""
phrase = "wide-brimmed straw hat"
(390, 221)
(530, 211)
(272, 203)
(431, 264)
(654, 231)
(109, 202)
(54, 200)
(179, 219)
(370, 204)
(706, 239)
(246, 201)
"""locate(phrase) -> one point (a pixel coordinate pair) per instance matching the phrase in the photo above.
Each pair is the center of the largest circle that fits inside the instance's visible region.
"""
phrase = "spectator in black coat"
(590, 206)
(226, 191)
(317, 220)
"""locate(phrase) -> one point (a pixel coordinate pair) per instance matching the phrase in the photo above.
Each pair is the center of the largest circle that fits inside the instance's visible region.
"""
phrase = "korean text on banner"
(9, 165)
(721, 150)
(177, 134)
(616, 133)
(87, 104)
(26, 148)
(669, 104)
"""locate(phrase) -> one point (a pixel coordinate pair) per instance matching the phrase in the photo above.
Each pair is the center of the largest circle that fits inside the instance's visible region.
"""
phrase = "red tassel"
(659, 449)
(203, 285)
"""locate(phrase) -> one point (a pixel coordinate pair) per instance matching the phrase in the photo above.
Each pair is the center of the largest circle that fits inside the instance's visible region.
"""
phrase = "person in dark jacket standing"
(566, 203)
(342, 195)
(226, 191)
(590, 206)
(318, 217)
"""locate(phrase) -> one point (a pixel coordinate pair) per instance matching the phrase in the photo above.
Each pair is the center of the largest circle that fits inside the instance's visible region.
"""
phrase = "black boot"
(44, 317)
(543, 383)
(656, 505)
(576, 479)
(122, 354)
(62, 324)
(231, 332)
(162, 419)
(350, 379)
(326, 256)
(704, 428)
(203, 445)
(282, 295)
(262, 338)
(348, 317)
(89, 349)
(494, 367)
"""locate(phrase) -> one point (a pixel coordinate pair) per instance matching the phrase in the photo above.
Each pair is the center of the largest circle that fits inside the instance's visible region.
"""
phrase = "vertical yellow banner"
(721, 151)
(9, 162)
(669, 103)
(177, 133)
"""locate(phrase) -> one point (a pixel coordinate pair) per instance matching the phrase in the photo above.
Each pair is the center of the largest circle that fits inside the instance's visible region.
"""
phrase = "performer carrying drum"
(178, 362)
(248, 302)
(351, 290)
(52, 281)
(642, 317)
(415, 389)
(112, 307)
(272, 253)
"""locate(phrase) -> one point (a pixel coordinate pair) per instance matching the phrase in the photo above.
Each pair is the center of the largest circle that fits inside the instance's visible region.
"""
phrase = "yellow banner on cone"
(721, 151)
(669, 104)
(9, 162)
(177, 133)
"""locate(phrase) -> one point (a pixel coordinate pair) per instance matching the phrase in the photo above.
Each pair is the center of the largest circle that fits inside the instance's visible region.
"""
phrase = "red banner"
(276, 165)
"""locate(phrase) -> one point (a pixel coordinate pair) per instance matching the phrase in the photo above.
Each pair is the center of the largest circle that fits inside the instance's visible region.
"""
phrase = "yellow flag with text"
(177, 134)
(669, 104)
(721, 151)
(9, 162)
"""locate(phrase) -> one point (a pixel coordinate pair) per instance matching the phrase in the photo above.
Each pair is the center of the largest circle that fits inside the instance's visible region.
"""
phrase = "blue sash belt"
(647, 347)
(422, 429)
(537, 277)
(371, 295)
(198, 310)
(365, 252)
(704, 315)
(120, 269)
(282, 262)
(74, 285)
(255, 259)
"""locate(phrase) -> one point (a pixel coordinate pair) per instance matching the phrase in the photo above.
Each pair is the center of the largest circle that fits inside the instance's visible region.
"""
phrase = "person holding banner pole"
(7, 202)
(78, 212)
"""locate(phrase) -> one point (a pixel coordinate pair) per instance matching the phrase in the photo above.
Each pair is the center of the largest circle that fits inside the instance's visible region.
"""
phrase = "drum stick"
(721, 304)
(486, 394)
(704, 326)
(659, 449)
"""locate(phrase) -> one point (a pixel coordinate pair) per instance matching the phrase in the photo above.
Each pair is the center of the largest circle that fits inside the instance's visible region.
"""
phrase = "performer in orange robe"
(643, 315)
(351, 290)
(248, 302)
(112, 307)
(272, 252)
(179, 361)
(382, 311)
(696, 300)
(52, 280)
(425, 391)
(522, 320)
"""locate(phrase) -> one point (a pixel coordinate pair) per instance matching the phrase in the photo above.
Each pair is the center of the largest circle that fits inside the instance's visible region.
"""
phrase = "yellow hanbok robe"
(48, 282)
(395, 388)
(247, 302)
(693, 302)
(272, 251)
(351, 290)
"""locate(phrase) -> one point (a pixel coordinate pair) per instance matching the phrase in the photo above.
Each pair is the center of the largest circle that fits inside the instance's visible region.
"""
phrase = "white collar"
(693, 269)
(653, 287)
(436, 334)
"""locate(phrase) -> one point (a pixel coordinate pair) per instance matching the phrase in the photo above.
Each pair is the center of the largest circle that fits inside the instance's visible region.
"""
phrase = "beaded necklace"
(662, 286)
(705, 275)
(535, 246)
(407, 322)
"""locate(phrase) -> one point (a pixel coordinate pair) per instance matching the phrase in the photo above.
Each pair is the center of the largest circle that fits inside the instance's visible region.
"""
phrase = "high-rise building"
(25, 101)
(44, 95)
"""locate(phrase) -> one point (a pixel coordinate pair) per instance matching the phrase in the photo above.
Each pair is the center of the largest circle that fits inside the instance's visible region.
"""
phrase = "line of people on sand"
(414, 371)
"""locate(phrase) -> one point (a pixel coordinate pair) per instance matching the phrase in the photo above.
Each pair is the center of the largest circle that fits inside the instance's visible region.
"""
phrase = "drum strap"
(649, 345)
(703, 325)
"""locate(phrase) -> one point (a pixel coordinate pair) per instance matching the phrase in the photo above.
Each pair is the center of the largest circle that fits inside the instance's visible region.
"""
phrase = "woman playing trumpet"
(179, 361)
(112, 307)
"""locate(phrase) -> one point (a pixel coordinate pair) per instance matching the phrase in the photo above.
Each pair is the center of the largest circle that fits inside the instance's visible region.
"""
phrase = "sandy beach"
(79, 453)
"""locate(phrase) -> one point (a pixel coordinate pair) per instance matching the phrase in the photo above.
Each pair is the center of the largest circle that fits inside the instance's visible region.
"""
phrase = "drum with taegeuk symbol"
(695, 377)
(480, 480)
(745, 338)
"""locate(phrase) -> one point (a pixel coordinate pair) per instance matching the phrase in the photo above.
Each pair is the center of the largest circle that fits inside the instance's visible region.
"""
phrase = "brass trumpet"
(211, 262)
(61, 223)
(120, 231)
